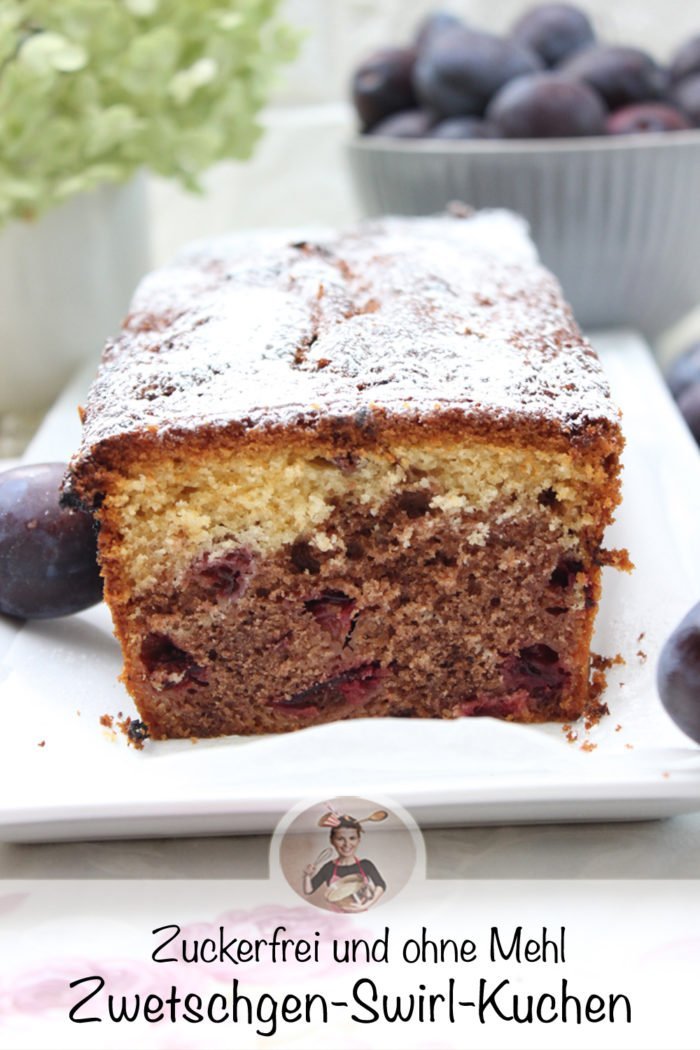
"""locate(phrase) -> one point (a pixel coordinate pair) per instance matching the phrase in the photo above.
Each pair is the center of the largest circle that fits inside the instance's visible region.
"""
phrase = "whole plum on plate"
(458, 72)
(456, 128)
(554, 31)
(546, 105)
(685, 370)
(686, 60)
(678, 675)
(434, 24)
(621, 75)
(689, 405)
(686, 96)
(409, 124)
(646, 117)
(382, 85)
(48, 554)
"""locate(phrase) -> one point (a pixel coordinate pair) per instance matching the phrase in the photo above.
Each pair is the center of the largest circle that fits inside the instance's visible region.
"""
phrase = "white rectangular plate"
(57, 678)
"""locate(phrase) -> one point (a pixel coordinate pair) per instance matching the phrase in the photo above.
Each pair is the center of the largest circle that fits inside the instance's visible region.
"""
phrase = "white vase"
(65, 285)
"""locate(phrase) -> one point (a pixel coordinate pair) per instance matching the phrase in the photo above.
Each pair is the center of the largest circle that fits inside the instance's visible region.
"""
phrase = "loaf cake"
(356, 475)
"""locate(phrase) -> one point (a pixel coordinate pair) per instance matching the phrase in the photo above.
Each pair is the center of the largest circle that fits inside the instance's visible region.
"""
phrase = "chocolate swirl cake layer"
(363, 475)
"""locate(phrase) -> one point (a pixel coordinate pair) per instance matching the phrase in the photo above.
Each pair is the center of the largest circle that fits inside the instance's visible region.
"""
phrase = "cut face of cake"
(366, 475)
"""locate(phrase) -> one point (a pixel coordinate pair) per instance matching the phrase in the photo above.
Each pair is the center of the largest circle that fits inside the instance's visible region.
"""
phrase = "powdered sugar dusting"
(403, 314)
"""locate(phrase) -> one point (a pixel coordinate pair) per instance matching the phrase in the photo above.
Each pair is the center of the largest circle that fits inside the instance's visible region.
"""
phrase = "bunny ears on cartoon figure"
(333, 819)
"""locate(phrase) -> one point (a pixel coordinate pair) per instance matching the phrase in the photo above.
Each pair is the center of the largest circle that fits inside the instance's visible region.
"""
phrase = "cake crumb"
(604, 663)
(616, 559)
(594, 712)
(570, 733)
(665, 774)
(641, 637)
(630, 747)
(42, 743)
(618, 727)
(588, 745)
(135, 731)
(596, 708)
(642, 656)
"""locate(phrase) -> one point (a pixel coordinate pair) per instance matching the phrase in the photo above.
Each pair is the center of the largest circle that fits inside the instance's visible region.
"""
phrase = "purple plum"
(464, 128)
(621, 75)
(678, 675)
(435, 24)
(48, 553)
(409, 124)
(686, 96)
(546, 105)
(457, 73)
(686, 60)
(646, 117)
(689, 405)
(554, 31)
(685, 370)
(382, 85)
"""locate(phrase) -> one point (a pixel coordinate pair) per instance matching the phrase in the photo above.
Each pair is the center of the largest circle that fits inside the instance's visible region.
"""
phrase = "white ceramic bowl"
(616, 219)
(66, 280)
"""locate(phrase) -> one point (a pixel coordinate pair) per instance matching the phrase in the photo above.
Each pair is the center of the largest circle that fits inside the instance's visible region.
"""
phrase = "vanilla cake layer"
(363, 476)
(174, 513)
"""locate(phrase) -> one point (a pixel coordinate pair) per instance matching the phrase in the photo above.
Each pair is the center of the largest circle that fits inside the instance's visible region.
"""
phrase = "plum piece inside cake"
(360, 477)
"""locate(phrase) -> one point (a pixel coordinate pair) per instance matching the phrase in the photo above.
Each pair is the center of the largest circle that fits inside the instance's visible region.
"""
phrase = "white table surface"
(652, 849)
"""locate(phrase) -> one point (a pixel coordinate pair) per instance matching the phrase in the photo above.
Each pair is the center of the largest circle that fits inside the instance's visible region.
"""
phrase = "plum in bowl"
(597, 146)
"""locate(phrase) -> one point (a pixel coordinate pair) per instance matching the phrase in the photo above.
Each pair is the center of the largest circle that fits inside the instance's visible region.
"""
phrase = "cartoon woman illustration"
(351, 884)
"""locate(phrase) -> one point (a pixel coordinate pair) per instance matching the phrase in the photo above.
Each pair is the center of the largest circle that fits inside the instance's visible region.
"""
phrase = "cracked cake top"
(397, 318)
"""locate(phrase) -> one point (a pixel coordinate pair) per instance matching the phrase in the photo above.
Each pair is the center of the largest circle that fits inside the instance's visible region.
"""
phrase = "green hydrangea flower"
(91, 90)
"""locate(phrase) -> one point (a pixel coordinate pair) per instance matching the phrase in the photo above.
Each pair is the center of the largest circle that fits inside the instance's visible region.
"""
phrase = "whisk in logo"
(347, 854)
